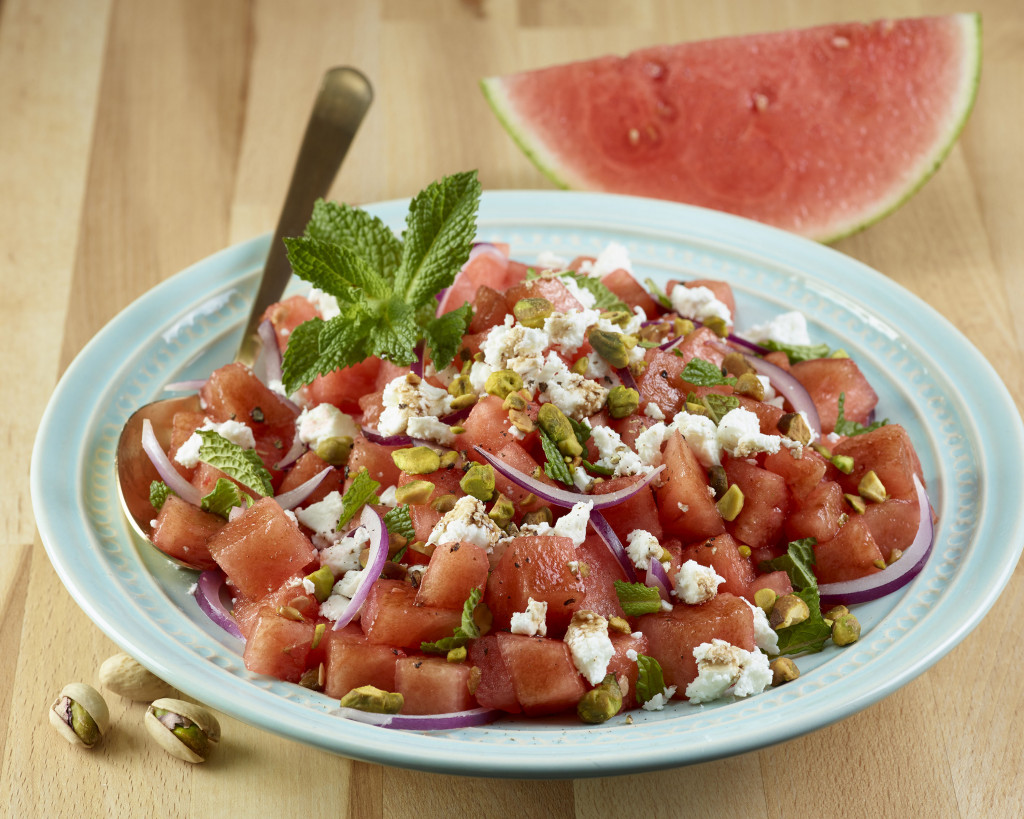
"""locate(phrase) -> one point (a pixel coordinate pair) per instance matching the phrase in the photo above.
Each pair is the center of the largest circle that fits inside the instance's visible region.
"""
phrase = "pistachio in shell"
(127, 678)
(80, 714)
(184, 729)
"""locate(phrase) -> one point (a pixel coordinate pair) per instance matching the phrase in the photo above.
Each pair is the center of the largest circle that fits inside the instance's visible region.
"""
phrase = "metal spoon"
(344, 97)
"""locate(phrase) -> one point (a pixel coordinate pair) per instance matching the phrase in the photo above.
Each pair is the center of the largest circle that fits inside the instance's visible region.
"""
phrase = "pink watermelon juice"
(490, 470)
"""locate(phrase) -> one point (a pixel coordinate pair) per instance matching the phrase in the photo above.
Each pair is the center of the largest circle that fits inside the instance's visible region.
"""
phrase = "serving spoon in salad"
(341, 103)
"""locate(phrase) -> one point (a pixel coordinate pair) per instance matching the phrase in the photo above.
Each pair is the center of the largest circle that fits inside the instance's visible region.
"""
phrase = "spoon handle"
(344, 97)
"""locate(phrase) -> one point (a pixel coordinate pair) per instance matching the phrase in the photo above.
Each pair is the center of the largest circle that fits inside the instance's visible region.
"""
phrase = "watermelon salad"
(603, 496)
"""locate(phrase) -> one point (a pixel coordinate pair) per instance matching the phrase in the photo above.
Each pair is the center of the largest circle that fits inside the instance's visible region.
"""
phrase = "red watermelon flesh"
(820, 131)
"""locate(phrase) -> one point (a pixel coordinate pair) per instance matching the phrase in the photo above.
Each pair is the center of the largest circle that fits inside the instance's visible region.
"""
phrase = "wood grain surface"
(139, 137)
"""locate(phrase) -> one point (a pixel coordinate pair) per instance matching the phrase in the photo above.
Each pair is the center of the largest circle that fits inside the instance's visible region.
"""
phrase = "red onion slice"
(298, 449)
(421, 722)
(626, 377)
(208, 589)
(386, 440)
(293, 497)
(374, 524)
(562, 497)
(786, 385)
(657, 578)
(168, 474)
(486, 247)
(894, 576)
(193, 385)
(271, 350)
(611, 540)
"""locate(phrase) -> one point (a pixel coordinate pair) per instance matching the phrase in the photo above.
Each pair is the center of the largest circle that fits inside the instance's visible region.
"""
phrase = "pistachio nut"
(856, 503)
(623, 401)
(374, 700)
(444, 504)
(323, 581)
(794, 426)
(416, 460)
(557, 427)
(845, 630)
(502, 382)
(788, 611)
(765, 599)
(718, 481)
(184, 729)
(502, 512)
(871, 488)
(532, 312)
(80, 714)
(844, 463)
(610, 346)
(717, 325)
(414, 492)
(783, 670)
(731, 503)
(127, 678)
(750, 385)
(736, 363)
(461, 385)
(335, 451)
(479, 481)
(600, 703)
(542, 515)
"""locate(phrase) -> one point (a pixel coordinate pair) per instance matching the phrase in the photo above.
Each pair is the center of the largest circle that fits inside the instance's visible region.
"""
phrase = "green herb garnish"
(399, 522)
(465, 632)
(848, 428)
(650, 680)
(658, 294)
(702, 373)
(385, 286)
(244, 465)
(580, 429)
(555, 466)
(719, 405)
(810, 635)
(797, 352)
(224, 497)
(362, 491)
(604, 299)
(605, 471)
(159, 492)
(637, 599)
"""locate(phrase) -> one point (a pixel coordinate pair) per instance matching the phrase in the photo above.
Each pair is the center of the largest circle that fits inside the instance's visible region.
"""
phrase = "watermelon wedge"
(820, 131)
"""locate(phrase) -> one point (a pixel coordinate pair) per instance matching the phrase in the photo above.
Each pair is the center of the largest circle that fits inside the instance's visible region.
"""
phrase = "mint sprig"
(399, 522)
(637, 599)
(159, 492)
(244, 465)
(362, 491)
(385, 286)
(224, 497)
(650, 679)
(702, 373)
(849, 428)
(555, 466)
(468, 630)
(809, 636)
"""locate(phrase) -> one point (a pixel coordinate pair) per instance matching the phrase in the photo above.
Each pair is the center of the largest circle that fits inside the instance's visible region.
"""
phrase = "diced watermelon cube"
(343, 387)
(488, 427)
(309, 466)
(889, 452)
(627, 671)
(893, 524)
(181, 531)
(825, 379)
(551, 289)
(277, 646)
(850, 554)
(778, 582)
(494, 689)
(376, 459)
(687, 509)
(544, 677)
(801, 474)
(455, 569)
(353, 661)
(818, 515)
(489, 310)
(722, 553)
(638, 512)
(628, 289)
(765, 504)
(599, 569)
(432, 685)
(391, 617)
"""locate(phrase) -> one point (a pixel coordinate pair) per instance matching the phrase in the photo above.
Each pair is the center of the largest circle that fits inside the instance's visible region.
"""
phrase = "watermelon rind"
(963, 98)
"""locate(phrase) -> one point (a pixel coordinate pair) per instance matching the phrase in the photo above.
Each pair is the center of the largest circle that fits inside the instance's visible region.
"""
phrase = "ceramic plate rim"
(507, 214)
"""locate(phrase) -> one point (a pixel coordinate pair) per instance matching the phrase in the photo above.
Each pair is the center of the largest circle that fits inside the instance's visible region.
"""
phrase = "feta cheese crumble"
(765, 637)
(234, 431)
(532, 621)
(614, 257)
(739, 434)
(615, 455)
(343, 556)
(408, 397)
(573, 524)
(659, 700)
(724, 669)
(467, 521)
(699, 303)
(590, 645)
(695, 584)
(642, 547)
(314, 426)
(785, 328)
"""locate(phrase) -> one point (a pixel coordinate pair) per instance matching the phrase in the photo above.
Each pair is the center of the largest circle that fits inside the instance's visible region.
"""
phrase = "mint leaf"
(555, 466)
(650, 680)
(703, 373)
(395, 332)
(399, 522)
(637, 599)
(719, 405)
(335, 269)
(244, 465)
(224, 497)
(159, 492)
(444, 335)
(463, 633)
(797, 352)
(809, 636)
(658, 294)
(797, 563)
(581, 430)
(439, 234)
(368, 236)
(848, 428)
(597, 470)
(362, 491)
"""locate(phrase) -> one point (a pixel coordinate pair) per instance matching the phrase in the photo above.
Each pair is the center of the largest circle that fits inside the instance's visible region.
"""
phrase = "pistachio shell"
(89, 699)
(127, 678)
(166, 739)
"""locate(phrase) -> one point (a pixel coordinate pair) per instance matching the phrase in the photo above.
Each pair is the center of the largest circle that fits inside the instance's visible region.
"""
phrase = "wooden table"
(139, 137)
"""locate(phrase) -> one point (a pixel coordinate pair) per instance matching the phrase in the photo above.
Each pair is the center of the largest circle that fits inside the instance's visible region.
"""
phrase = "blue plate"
(920, 365)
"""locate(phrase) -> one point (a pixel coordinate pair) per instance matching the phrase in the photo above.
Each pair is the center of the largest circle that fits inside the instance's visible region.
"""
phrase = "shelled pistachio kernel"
(622, 401)
(749, 385)
(542, 515)
(479, 482)
(783, 670)
(463, 402)
(856, 503)
(449, 457)
(789, 610)
(765, 599)
(461, 385)
(184, 729)
(323, 581)
(80, 714)
(373, 700)
(502, 512)
(127, 678)
(514, 401)
(718, 481)
(444, 504)
(457, 654)
(610, 346)
(600, 703)
(835, 613)
(794, 426)
(533, 312)
(736, 364)
(502, 382)
(416, 460)
(620, 625)
(581, 365)
(414, 492)
(844, 463)
(717, 325)
(335, 451)
(871, 488)
(845, 630)
(731, 503)
(557, 427)
(313, 678)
